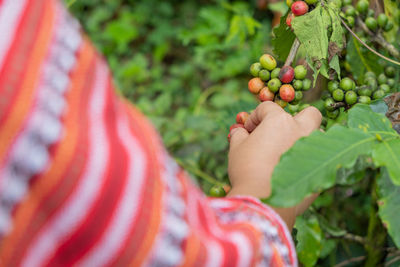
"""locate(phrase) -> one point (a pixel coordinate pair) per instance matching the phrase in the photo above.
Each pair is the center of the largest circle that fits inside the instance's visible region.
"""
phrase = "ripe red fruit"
(266, 95)
(255, 85)
(236, 125)
(299, 8)
(286, 75)
(289, 19)
(241, 117)
(287, 93)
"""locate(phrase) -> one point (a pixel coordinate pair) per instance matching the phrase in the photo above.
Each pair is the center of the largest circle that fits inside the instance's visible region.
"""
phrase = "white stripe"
(128, 206)
(10, 15)
(79, 203)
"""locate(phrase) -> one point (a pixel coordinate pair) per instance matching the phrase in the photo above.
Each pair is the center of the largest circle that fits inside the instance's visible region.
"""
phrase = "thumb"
(237, 136)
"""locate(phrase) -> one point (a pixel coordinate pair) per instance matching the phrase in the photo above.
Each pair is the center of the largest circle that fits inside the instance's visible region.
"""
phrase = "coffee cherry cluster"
(366, 14)
(281, 85)
(345, 93)
(298, 8)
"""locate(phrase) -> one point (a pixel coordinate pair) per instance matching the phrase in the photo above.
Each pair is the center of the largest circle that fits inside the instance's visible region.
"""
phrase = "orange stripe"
(65, 152)
(16, 118)
(191, 250)
(153, 228)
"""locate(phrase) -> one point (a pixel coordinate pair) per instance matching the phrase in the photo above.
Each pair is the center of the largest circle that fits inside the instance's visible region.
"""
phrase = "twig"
(293, 52)
(338, 105)
(367, 46)
(378, 38)
(350, 237)
(352, 260)
(392, 261)
(199, 173)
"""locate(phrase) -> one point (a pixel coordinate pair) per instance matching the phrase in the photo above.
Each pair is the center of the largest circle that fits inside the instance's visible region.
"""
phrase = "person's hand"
(255, 151)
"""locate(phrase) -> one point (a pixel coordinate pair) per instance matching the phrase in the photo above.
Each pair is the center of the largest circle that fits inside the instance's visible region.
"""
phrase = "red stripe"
(20, 51)
(98, 218)
(51, 203)
(139, 227)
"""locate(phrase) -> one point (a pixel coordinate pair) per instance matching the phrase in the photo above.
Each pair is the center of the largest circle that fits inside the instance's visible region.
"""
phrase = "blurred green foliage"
(185, 65)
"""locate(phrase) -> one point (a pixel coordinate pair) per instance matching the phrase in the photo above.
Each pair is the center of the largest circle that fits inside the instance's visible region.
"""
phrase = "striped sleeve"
(85, 179)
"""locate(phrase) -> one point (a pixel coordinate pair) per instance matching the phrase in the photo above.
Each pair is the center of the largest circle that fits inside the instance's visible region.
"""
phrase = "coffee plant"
(186, 65)
(353, 50)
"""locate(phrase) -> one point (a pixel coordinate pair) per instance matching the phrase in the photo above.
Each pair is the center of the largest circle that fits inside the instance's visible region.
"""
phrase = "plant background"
(185, 65)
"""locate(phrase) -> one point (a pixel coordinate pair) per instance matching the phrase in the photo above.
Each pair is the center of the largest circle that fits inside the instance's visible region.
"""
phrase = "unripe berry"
(365, 92)
(286, 92)
(299, 8)
(275, 73)
(266, 95)
(338, 95)
(289, 19)
(274, 85)
(382, 20)
(306, 84)
(303, 106)
(370, 13)
(350, 97)
(311, 2)
(347, 84)
(236, 125)
(389, 26)
(382, 78)
(280, 102)
(385, 88)
(255, 85)
(350, 11)
(362, 6)
(217, 191)
(332, 86)
(300, 72)
(286, 75)
(289, 3)
(391, 82)
(371, 23)
(325, 95)
(293, 108)
(371, 83)
(241, 117)
(390, 71)
(264, 75)
(347, 2)
(268, 62)
(369, 74)
(364, 99)
(333, 114)
(329, 102)
(298, 95)
(350, 21)
(255, 68)
(297, 84)
(378, 94)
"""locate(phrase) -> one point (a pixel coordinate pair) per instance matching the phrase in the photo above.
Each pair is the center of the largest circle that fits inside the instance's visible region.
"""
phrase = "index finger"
(263, 110)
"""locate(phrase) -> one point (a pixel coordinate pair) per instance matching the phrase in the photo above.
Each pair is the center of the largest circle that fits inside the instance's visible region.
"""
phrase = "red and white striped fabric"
(84, 178)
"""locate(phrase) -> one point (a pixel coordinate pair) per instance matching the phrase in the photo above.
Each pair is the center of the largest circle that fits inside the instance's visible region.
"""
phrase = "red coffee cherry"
(286, 75)
(266, 95)
(241, 117)
(299, 8)
(287, 93)
(255, 85)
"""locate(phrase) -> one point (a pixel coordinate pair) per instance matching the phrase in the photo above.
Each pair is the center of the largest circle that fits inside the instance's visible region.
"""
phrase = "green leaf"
(362, 117)
(312, 34)
(387, 154)
(311, 164)
(282, 40)
(349, 176)
(379, 106)
(389, 205)
(309, 237)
